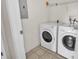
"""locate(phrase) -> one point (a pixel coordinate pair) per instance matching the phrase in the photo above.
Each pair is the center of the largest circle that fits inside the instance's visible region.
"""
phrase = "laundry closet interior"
(42, 14)
(49, 28)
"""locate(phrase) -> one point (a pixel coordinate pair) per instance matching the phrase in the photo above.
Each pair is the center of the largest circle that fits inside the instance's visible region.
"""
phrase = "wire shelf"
(63, 3)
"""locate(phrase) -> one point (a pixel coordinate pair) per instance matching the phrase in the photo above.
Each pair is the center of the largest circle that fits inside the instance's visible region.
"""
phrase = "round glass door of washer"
(69, 42)
(47, 36)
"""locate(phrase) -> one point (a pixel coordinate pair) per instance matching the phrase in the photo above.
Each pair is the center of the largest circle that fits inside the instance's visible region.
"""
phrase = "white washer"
(67, 39)
(48, 36)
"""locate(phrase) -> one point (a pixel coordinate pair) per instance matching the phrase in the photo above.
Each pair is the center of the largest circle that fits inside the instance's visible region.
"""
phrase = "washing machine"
(67, 41)
(48, 35)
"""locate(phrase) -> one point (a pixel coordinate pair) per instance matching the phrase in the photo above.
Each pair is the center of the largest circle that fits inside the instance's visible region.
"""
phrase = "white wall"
(62, 12)
(36, 15)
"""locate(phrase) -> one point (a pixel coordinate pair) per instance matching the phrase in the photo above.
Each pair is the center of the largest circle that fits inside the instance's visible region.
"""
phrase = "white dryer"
(67, 38)
(48, 36)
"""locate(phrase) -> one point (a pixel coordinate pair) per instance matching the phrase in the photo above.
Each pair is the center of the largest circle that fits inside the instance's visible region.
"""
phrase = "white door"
(13, 14)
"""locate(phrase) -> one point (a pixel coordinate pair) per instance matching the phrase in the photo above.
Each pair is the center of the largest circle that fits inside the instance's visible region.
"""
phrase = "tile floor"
(42, 53)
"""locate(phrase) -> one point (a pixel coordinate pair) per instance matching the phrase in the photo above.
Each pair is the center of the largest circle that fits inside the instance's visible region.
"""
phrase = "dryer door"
(69, 41)
(47, 36)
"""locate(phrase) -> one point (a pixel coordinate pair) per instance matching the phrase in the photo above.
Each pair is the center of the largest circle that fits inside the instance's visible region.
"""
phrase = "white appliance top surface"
(60, 24)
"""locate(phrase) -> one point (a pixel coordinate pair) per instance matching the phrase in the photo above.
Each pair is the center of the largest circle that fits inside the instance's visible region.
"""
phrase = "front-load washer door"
(47, 36)
(66, 44)
(69, 42)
